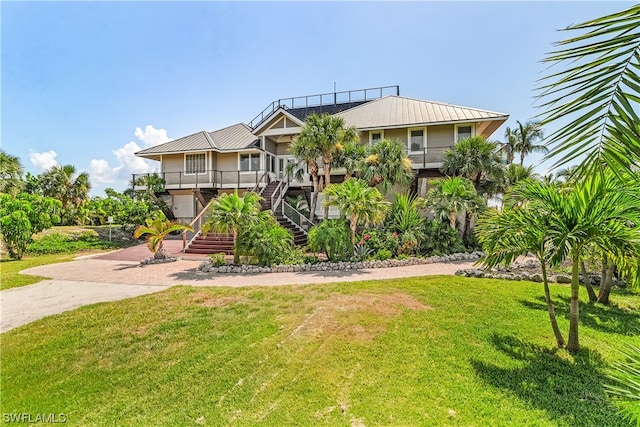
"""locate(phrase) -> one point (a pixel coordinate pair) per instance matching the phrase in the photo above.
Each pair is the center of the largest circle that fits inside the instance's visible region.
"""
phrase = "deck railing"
(297, 217)
(208, 179)
(323, 99)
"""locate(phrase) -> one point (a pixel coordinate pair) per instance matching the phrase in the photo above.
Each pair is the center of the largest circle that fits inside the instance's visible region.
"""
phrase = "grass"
(9, 269)
(420, 351)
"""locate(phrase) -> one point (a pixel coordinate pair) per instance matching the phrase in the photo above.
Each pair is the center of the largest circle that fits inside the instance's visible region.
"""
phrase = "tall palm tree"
(307, 153)
(62, 183)
(597, 88)
(157, 229)
(358, 202)
(450, 196)
(524, 138)
(597, 212)
(387, 164)
(515, 173)
(479, 160)
(510, 146)
(10, 174)
(510, 233)
(230, 213)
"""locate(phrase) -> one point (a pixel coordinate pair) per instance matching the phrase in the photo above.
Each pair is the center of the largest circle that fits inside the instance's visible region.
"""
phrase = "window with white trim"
(375, 136)
(195, 163)
(249, 162)
(417, 139)
(463, 132)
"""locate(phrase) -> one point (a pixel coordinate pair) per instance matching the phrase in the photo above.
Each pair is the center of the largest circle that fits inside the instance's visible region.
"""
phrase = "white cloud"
(43, 161)
(100, 171)
(152, 136)
(127, 162)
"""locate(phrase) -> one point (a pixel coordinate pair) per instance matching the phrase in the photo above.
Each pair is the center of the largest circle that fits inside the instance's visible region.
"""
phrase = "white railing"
(295, 216)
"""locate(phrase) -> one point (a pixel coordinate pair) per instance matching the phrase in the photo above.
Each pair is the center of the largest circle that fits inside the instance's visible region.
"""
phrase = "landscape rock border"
(207, 266)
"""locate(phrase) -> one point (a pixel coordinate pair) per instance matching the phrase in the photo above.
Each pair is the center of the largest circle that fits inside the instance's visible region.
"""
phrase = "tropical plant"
(626, 387)
(357, 202)
(386, 164)
(24, 215)
(510, 146)
(597, 88)
(307, 153)
(331, 236)
(510, 233)
(231, 213)
(524, 137)
(10, 174)
(157, 228)
(405, 214)
(350, 156)
(440, 239)
(62, 183)
(265, 241)
(478, 160)
(515, 173)
(450, 196)
(597, 212)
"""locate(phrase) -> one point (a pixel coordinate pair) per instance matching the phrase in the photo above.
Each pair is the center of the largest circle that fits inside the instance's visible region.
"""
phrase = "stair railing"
(297, 217)
(257, 188)
(196, 224)
(278, 194)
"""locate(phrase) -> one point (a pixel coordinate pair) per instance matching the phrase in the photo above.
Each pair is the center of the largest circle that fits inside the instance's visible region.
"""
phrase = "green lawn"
(423, 351)
(9, 269)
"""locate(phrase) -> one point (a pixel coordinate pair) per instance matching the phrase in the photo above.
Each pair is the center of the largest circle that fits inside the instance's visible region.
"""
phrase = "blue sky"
(88, 84)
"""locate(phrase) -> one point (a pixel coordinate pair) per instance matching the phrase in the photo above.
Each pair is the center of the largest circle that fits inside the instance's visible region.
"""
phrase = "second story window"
(463, 132)
(249, 162)
(195, 163)
(417, 140)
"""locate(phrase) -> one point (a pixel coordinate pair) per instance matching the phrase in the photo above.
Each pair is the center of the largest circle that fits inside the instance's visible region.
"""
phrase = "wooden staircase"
(212, 244)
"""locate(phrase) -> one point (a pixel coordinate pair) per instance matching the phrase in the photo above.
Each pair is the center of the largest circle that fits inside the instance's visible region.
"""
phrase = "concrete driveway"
(118, 275)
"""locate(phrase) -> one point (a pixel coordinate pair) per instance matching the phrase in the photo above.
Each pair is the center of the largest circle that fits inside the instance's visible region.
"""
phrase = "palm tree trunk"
(552, 313)
(467, 228)
(314, 197)
(353, 224)
(522, 154)
(574, 311)
(452, 219)
(605, 284)
(587, 283)
(327, 182)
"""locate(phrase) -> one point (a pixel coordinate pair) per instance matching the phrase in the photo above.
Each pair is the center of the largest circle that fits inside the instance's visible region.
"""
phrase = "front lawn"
(9, 269)
(421, 351)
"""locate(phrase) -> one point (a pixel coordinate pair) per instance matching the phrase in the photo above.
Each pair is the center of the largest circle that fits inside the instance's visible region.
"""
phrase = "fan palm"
(387, 164)
(479, 160)
(350, 156)
(358, 202)
(62, 183)
(157, 229)
(598, 89)
(230, 213)
(10, 174)
(307, 153)
(595, 212)
(450, 196)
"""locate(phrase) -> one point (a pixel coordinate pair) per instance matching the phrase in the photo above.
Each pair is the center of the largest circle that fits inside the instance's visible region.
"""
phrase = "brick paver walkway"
(118, 275)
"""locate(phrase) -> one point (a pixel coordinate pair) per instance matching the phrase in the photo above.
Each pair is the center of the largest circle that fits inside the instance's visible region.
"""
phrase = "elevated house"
(254, 156)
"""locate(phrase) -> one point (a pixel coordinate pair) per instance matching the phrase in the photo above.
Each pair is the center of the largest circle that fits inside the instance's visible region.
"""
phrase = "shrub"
(332, 237)
(218, 259)
(379, 239)
(265, 242)
(62, 243)
(382, 255)
(440, 239)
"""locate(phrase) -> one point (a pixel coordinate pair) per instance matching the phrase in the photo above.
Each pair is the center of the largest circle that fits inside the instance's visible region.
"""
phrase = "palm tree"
(597, 88)
(62, 183)
(387, 164)
(626, 387)
(324, 134)
(509, 147)
(524, 138)
(307, 153)
(597, 212)
(514, 232)
(230, 213)
(515, 173)
(10, 174)
(450, 196)
(157, 229)
(350, 156)
(479, 160)
(358, 202)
